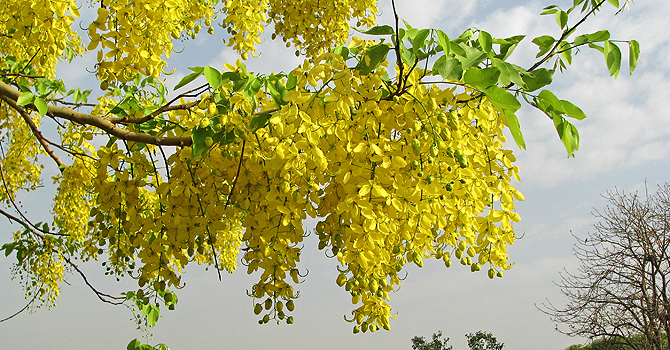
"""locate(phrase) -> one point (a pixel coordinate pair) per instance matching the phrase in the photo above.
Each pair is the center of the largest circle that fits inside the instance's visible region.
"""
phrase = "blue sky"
(625, 143)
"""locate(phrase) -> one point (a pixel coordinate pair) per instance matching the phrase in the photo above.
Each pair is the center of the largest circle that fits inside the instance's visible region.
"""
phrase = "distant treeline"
(636, 342)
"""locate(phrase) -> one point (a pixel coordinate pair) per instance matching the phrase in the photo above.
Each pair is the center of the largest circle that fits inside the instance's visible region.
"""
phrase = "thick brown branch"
(102, 123)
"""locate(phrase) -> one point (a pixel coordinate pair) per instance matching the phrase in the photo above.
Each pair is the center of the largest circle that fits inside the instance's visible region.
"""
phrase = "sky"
(625, 146)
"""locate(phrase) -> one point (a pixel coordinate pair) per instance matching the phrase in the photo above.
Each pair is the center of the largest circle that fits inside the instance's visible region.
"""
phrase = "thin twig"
(399, 62)
(565, 34)
(239, 166)
(21, 75)
(99, 294)
(165, 108)
(23, 309)
(25, 222)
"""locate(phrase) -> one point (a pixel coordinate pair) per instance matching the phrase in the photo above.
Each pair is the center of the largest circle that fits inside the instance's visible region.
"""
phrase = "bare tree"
(620, 292)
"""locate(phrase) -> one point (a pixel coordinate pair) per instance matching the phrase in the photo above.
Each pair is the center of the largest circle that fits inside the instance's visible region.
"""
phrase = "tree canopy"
(393, 139)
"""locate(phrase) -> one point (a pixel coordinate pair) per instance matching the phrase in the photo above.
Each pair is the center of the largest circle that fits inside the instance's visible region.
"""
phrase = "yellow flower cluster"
(315, 26)
(136, 36)
(131, 36)
(393, 181)
(245, 21)
(73, 200)
(39, 32)
(18, 163)
(40, 268)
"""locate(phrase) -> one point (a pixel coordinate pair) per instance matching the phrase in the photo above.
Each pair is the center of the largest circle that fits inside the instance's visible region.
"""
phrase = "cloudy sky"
(625, 144)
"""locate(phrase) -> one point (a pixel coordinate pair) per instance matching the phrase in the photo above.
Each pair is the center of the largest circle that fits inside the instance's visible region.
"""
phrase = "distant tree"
(620, 294)
(613, 343)
(419, 343)
(483, 341)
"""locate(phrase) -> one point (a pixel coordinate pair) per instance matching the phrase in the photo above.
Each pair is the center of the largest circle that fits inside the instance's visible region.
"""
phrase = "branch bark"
(10, 94)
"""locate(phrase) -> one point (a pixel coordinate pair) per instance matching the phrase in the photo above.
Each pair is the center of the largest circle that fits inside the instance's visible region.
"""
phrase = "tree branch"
(9, 93)
(36, 132)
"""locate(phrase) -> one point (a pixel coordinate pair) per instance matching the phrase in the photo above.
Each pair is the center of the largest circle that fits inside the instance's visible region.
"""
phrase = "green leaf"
(213, 77)
(612, 58)
(562, 19)
(600, 35)
(291, 80)
(252, 86)
(465, 36)
(277, 91)
(473, 57)
(581, 40)
(567, 133)
(514, 128)
(458, 48)
(615, 3)
(259, 121)
(8, 248)
(508, 45)
(378, 30)
(419, 40)
(538, 78)
(407, 55)
(451, 69)
(41, 106)
(444, 41)
(545, 44)
(504, 79)
(134, 344)
(25, 98)
(502, 99)
(597, 47)
(481, 78)
(199, 136)
(153, 315)
(187, 79)
(572, 110)
(548, 103)
(342, 51)
(508, 73)
(566, 51)
(633, 54)
(485, 40)
(372, 58)
(437, 63)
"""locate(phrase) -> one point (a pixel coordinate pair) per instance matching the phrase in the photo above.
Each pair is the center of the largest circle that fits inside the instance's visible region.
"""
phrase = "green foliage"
(617, 343)
(135, 344)
(419, 343)
(483, 341)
